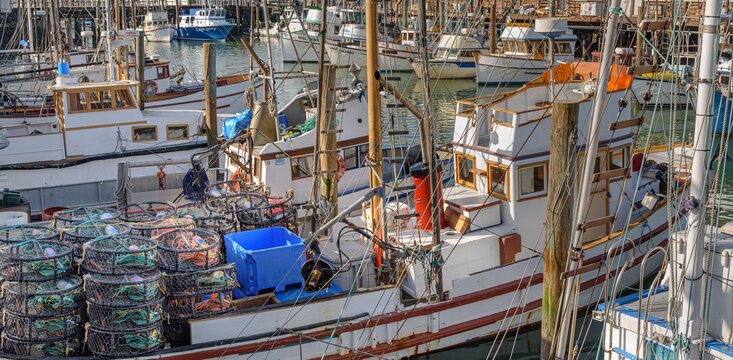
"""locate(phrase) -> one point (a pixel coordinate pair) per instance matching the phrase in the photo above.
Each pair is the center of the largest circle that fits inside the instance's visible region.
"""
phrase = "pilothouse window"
(498, 181)
(532, 181)
(466, 170)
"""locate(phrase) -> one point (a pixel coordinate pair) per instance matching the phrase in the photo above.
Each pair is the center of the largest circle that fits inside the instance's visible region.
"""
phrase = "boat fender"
(341, 166)
(151, 88)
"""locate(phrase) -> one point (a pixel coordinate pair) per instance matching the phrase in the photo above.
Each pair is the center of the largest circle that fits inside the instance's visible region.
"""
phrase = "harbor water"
(232, 58)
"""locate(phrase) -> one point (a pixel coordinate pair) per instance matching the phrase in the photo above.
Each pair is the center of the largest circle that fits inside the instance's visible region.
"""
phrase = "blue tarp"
(234, 125)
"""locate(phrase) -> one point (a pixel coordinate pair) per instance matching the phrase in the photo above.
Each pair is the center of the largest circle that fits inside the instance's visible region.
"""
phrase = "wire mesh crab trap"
(121, 344)
(123, 290)
(255, 210)
(199, 305)
(222, 196)
(157, 226)
(205, 218)
(120, 255)
(188, 249)
(46, 298)
(89, 230)
(20, 233)
(37, 348)
(78, 215)
(147, 211)
(200, 282)
(53, 327)
(115, 318)
(35, 260)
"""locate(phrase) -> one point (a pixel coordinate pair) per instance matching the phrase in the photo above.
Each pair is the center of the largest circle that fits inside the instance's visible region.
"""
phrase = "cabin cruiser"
(301, 41)
(157, 28)
(524, 56)
(454, 56)
(204, 24)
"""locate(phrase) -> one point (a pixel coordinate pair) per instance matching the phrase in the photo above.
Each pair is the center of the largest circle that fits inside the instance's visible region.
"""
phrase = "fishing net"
(121, 343)
(205, 218)
(115, 318)
(52, 327)
(77, 235)
(44, 298)
(78, 215)
(20, 233)
(254, 211)
(35, 260)
(39, 348)
(222, 196)
(147, 211)
(120, 255)
(125, 290)
(154, 227)
(200, 282)
(199, 305)
(188, 249)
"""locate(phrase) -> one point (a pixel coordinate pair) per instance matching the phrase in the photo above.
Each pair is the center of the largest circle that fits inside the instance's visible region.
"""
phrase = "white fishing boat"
(157, 28)
(454, 56)
(300, 40)
(524, 56)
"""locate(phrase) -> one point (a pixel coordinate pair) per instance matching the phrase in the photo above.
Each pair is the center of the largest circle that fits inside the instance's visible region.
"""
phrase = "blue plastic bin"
(63, 68)
(264, 259)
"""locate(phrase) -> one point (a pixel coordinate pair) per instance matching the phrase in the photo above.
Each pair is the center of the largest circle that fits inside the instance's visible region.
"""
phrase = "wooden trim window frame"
(625, 160)
(544, 165)
(498, 174)
(465, 170)
(301, 167)
(175, 127)
(119, 98)
(135, 130)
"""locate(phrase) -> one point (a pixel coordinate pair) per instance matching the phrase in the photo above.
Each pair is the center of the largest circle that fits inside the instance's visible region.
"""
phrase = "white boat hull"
(298, 47)
(392, 58)
(447, 70)
(492, 69)
(664, 92)
(160, 34)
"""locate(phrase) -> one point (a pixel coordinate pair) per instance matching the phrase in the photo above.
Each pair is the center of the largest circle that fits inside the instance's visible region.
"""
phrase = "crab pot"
(20, 233)
(120, 255)
(184, 284)
(190, 307)
(188, 249)
(43, 298)
(69, 346)
(118, 344)
(89, 230)
(147, 211)
(79, 215)
(116, 318)
(158, 226)
(35, 260)
(205, 218)
(53, 327)
(256, 211)
(221, 196)
(123, 290)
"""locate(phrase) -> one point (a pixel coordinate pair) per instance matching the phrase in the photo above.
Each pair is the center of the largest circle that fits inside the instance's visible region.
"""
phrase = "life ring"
(341, 166)
(151, 88)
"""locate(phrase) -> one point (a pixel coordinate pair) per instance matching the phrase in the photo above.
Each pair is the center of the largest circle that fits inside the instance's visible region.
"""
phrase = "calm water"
(233, 58)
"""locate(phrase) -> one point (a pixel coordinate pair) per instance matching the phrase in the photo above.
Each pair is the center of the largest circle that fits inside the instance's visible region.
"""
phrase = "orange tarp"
(583, 70)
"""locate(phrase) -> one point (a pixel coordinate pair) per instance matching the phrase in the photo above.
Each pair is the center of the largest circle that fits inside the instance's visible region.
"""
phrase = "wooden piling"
(374, 103)
(210, 99)
(559, 211)
(140, 68)
(639, 39)
(492, 35)
(328, 150)
(178, 19)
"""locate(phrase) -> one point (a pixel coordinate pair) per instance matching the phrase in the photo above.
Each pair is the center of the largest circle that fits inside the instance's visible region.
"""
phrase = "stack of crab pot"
(124, 297)
(82, 224)
(43, 301)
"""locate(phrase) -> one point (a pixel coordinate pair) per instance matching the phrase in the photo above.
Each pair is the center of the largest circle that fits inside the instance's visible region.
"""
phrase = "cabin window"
(563, 47)
(532, 181)
(162, 73)
(100, 100)
(509, 45)
(363, 154)
(256, 167)
(466, 170)
(302, 167)
(77, 102)
(617, 159)
(529, 47)
(177, 132)
(123, 99)
(144, 133)
(498, 181)
(351, 158)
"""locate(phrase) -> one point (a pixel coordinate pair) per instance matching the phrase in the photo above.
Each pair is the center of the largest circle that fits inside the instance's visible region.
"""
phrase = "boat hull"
(215, 32)
(297, 47)
(160, 34)
(664, 92)
(446, 70)
(230, 98)
(392, 58)
(491, 69)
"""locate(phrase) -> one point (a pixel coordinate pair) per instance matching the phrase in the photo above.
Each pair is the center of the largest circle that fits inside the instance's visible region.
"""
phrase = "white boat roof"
(458, 42)
(521, 32)
(91, 85)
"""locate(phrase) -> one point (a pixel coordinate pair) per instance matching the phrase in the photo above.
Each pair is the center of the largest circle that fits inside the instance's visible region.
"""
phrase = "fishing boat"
(454, 56)
(524, 55)
(204, 24)
(157, 28)
(301, 41)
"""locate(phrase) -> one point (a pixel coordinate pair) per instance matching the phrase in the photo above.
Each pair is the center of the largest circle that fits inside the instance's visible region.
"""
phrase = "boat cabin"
(457, 46)
(202, 17)
(155, 19)
(522, 41)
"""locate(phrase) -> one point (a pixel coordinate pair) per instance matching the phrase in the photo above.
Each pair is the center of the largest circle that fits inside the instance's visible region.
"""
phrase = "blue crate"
(264, 259)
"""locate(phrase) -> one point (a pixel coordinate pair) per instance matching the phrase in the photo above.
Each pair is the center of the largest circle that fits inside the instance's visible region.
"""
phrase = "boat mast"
(29, 5)
(599, 104)
(428, 150)
(110, 34)
(689, 323)
(374, 103)
(272, 101)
